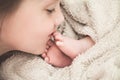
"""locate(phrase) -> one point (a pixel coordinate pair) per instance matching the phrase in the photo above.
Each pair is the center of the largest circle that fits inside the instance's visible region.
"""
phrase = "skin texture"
(63, 50)
(30, 27)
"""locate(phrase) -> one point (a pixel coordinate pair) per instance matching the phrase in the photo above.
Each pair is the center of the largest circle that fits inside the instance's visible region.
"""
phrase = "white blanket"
(96, 18)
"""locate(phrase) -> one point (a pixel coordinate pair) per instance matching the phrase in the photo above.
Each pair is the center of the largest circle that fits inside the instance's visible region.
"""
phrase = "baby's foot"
(67, 45)
(55, 57)
(72, 47)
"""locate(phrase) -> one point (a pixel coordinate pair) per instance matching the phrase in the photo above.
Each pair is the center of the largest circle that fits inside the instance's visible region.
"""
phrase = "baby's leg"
(72, 47)
(55, 57)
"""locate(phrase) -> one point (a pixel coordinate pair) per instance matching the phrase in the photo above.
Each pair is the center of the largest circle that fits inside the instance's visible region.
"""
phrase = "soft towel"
(97, 18)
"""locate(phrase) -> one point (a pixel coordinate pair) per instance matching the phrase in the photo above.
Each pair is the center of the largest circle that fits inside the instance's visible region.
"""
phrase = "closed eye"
(50, 10)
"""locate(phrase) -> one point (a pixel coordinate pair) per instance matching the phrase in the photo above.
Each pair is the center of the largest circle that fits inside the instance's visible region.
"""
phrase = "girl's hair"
(7, 7)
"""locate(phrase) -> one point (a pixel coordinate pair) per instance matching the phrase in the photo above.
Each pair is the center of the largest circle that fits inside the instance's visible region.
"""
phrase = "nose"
(59, 18)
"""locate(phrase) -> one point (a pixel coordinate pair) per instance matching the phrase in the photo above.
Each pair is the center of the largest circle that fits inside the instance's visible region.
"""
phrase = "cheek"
(28, 34)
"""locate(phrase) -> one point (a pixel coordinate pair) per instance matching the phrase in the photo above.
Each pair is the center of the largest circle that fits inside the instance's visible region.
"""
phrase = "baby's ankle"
(86, 43)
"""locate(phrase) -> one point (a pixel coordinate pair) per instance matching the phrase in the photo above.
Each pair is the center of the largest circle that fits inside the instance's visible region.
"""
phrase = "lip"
(51, 36)
(52, 33)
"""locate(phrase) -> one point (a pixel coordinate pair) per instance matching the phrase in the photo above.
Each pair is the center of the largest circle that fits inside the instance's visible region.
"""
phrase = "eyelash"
(50, 10)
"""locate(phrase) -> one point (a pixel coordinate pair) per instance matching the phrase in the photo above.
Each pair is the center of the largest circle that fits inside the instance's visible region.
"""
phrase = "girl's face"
(31, 26)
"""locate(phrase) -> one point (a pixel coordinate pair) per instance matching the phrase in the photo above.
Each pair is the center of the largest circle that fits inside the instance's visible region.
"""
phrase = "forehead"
(43, 3)
(44, 0)
(50, 1)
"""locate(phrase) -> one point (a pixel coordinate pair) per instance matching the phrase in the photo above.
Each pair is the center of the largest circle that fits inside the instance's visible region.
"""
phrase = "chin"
(42, 50)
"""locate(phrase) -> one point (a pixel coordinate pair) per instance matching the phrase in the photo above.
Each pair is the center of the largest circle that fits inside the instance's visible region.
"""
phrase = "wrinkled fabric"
(97, 18)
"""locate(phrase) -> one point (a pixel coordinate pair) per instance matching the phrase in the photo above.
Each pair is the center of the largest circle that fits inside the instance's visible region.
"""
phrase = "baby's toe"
(47, 59)
(47, 47)
(58, 37)
(44, 55)
(50, 43)
(59, 43)
(56, 33)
